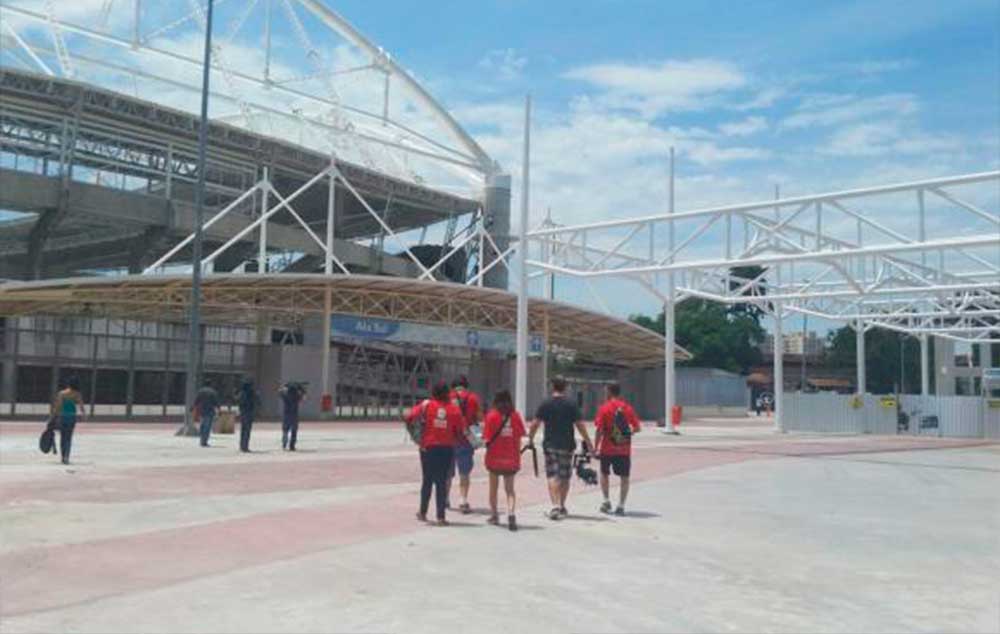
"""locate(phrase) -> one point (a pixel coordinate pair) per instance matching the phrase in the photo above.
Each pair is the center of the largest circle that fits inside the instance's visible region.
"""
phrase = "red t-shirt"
(443, 425)
(605, 421)
(504, 453)
(472, 409)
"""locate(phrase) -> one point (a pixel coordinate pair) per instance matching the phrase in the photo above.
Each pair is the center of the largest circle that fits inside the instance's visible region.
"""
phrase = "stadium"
(103, 183)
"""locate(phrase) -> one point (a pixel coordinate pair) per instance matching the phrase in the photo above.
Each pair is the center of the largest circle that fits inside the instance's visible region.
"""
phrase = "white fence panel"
(879, 419)
(823, 412)
(991, 420)
(957, 416)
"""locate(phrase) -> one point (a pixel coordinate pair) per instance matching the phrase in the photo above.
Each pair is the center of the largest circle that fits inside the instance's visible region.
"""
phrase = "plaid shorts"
(558, 464)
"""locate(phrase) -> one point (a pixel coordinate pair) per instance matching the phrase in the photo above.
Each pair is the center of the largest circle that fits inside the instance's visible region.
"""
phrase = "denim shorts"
(464, 461)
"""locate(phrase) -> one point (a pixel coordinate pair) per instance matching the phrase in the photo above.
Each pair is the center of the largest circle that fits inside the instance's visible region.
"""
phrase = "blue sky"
(813, 96)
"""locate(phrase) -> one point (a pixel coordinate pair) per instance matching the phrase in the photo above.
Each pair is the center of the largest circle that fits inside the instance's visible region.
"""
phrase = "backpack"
(415, 424)
(621, 431)
(473, 432)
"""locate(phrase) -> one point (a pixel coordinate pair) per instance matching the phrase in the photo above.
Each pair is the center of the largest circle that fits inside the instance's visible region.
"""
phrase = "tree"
(883, 358)
(716, 336)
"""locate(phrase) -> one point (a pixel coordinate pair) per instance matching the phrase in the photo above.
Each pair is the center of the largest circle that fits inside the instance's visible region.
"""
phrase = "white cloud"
(886, 137)
(876, 67)
(830, 110)
(746, 127)
(653, 89)
(505, 64)
(763, 99)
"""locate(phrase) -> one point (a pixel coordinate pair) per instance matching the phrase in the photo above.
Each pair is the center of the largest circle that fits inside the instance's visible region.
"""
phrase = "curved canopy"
(285, 299)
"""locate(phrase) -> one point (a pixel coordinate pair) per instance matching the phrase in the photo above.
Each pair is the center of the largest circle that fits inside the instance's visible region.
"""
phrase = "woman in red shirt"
(503, 431)
(443, 423)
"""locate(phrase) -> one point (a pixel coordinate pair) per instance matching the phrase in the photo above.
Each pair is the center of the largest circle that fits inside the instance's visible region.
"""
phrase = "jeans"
(434, 463)
(66, 425)
(246, 423)
(207, 418)
(289, 431)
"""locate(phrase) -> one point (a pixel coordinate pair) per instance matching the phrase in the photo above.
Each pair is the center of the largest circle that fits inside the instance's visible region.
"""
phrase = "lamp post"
(194, 338)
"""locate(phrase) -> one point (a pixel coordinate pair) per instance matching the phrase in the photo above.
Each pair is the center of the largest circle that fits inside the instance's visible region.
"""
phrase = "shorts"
(558, 464)
(503, 472)
(622, 465)
(464, 461)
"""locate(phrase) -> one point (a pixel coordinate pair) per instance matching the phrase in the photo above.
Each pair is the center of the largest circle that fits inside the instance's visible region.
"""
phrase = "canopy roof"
(288, 300)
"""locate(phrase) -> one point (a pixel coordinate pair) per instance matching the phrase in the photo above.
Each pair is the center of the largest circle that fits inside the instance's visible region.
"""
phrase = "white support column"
(860, 357)
(482, 248)
(262, 249)
(925, 375)
(669, 331)
(331, 216)
(521, 370)
(779, 370)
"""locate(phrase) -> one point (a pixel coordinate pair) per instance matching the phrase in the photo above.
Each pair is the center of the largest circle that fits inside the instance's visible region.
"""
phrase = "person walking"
(468, 402)
(206, 406)
(503, 429)
(248, 401)
(442, 425)
(615, 423)
(291, 394)
(67, 408)
(560, 416)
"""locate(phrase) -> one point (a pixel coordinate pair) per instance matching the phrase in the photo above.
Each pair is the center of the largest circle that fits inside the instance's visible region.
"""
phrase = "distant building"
(795, 344)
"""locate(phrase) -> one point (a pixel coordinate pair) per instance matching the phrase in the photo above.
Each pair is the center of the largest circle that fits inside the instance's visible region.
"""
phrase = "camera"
(581, 464)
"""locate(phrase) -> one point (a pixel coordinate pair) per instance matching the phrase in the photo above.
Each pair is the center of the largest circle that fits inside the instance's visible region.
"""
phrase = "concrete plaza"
(732, 528)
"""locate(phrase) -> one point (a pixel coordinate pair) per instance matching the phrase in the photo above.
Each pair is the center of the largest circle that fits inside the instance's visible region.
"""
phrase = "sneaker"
(620, 511)
(606, 507)
(554, 514)
(563, 512)
(494, 520)
(465, 508)
(421, 517)
(512, 523)
(442, 522)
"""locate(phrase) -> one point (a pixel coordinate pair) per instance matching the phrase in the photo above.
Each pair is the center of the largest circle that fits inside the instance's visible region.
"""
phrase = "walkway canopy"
(286, 300)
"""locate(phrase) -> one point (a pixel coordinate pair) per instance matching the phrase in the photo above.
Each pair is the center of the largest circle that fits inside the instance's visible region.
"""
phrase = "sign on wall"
(376, 329)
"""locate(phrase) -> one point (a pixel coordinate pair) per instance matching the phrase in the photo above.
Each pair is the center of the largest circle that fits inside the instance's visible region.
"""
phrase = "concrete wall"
(280, 364)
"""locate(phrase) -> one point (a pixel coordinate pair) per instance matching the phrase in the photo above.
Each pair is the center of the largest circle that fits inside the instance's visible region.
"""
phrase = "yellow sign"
(994, 403)
(857, 401)
(888, 402)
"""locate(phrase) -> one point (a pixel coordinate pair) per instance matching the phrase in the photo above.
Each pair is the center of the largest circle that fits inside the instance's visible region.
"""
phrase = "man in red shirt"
(468, 402)
(616, 422)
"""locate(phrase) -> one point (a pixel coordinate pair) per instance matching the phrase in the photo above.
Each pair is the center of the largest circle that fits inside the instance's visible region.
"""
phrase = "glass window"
(963, 386)
(966, 355)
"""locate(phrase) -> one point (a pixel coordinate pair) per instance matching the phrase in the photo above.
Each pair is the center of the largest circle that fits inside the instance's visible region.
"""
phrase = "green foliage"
(882, 358)
(717, 337)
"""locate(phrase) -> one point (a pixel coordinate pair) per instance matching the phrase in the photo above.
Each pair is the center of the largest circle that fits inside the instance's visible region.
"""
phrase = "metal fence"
(951, 416)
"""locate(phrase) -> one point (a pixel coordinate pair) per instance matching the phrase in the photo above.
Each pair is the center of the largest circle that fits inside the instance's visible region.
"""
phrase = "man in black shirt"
(560, 416)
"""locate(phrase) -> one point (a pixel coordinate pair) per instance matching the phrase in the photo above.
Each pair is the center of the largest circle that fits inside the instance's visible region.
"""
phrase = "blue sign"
(364, 327)
(536, 345)
(472, 338)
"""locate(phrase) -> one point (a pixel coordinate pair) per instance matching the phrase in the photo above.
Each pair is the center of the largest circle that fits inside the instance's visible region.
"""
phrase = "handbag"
(47, 441)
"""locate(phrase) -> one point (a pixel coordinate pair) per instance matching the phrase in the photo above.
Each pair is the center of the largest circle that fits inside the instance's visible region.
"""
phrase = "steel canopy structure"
(287, 300)
(917, 258)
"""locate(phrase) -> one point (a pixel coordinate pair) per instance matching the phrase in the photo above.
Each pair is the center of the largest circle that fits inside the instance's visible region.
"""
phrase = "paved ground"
(732, 529)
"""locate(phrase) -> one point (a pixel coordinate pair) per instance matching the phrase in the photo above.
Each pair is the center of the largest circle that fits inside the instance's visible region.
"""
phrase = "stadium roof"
(288, 300)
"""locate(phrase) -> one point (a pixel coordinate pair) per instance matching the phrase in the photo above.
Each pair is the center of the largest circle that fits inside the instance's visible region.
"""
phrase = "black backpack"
(621, 431)
(47, 441)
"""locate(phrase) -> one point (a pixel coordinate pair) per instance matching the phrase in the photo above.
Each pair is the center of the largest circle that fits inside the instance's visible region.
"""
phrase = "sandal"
(494, 520)
(465, 508)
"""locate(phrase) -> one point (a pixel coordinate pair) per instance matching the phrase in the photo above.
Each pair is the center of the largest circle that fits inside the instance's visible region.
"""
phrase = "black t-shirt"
(559, 415)
(291, 396)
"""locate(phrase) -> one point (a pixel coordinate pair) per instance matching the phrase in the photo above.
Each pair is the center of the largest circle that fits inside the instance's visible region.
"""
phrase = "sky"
(807, 96)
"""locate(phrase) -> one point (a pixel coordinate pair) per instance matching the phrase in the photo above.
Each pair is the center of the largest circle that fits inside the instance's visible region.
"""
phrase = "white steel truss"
(326, 86)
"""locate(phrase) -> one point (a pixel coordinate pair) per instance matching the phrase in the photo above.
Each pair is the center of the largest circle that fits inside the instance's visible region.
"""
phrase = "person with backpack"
(468, 403)
(441, 424)
(206, 406)
(560, 416)
(292, 394)
(503, 429)
(248, 401)
(616, 423)
(67, 408)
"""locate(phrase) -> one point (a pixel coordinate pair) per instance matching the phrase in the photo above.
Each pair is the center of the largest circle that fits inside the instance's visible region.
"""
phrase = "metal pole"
(194, 338)
(860, 357)
(902, 362)
(521, 370)
(669, 333)
(779, 370)
(925, 375)
(262, 230)
(805, 329)
(327, 297)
